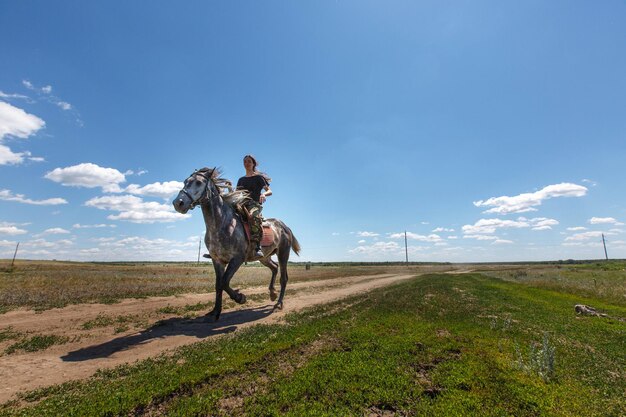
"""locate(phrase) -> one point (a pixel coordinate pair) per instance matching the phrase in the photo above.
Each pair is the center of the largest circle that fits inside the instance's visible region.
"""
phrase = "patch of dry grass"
(47, 284)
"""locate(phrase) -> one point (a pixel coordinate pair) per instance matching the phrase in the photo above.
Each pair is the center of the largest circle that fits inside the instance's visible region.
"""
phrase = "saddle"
(268, 233)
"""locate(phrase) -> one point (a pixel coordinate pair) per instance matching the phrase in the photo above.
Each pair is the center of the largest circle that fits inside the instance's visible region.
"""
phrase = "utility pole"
(406, 249)
(199, 246)
(604, 243)
(15, 254)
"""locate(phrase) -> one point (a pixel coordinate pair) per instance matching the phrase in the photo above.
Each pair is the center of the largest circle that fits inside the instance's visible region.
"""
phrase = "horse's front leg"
(233, 266)
(214, 314)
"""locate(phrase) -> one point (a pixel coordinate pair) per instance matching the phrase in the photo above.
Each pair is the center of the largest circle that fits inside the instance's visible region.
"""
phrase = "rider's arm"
(267, 193)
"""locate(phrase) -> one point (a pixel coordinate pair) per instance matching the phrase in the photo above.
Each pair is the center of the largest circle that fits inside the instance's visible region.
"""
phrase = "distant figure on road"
(255, 182)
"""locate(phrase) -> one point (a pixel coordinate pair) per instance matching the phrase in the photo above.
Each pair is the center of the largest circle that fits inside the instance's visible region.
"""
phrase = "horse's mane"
(234, 197)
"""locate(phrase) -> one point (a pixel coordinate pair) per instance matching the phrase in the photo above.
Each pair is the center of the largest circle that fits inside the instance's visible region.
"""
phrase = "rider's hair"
(254, 162)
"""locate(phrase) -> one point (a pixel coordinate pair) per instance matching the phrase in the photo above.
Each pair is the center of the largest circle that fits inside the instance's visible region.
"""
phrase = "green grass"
(437, 345)
(103, 321)
(8, 334)
(35, 343)
(604, 280)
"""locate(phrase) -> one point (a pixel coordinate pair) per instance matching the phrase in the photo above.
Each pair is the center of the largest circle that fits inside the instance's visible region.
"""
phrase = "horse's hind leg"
(268, 262)
(283, 258)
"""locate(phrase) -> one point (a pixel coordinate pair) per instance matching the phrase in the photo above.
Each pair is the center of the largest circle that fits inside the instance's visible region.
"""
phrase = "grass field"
(605, 280)
(461, 345)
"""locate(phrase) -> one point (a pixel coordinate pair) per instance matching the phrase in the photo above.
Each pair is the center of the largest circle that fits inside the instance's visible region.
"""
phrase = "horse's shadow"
(172, 327)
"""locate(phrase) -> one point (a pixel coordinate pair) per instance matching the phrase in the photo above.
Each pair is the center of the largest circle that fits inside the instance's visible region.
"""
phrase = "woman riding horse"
(254, 182)
(226, 238)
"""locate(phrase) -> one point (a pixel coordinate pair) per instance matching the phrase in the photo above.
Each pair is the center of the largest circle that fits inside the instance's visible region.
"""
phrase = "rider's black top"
(254, 185)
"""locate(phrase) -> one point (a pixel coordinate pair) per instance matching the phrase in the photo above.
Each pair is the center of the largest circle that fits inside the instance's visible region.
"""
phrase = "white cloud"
(502, 242)
(489, 226)
(415, 236)
(335, 234)
(367, 234)
(576, 229)
(590, 182)
(9, 96)
(88, 175)
(42, 243)
(46, 92)
(442, 229)
(15, 122)
(158, 189)
(7, 243)
(453, 237)
(542, 223)
(376, 248)
(361, 241)
(91, 226)
(64, 105)
(8, 157)
(9, 229)
(134, 209)
(605, 220)
(145, 244)
(90, 251)
(586, 236)
(480, 237)
(55, 231)
(7, 195)
(528, 201)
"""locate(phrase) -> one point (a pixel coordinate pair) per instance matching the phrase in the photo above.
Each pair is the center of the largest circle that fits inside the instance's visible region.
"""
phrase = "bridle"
(206, 194)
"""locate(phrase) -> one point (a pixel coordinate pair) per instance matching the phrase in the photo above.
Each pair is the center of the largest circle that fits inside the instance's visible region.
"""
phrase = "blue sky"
(489, 131)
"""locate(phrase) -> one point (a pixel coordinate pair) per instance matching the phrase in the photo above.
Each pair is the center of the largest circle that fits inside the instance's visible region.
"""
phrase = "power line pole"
(199, 246)
(15, 254)
(406, 249)
(604, 243)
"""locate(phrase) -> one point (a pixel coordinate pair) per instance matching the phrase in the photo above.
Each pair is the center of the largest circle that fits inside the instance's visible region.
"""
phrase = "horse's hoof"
(278, 306)
(273, 295)
(241, 299)
(211, 317)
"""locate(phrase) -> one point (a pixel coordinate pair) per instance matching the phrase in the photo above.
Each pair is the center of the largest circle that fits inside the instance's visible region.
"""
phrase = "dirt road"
(90, 348)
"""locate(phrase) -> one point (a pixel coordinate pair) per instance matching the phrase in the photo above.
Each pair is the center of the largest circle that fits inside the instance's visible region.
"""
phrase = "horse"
(226, 237)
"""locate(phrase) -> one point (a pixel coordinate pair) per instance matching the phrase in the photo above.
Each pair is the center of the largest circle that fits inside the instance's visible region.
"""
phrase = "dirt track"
(100, 347)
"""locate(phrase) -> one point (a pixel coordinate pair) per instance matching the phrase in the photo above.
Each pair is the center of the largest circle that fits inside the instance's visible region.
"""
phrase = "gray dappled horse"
(226, 238)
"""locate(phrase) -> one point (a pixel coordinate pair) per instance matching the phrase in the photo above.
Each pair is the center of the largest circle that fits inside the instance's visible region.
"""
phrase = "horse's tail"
(295, 245)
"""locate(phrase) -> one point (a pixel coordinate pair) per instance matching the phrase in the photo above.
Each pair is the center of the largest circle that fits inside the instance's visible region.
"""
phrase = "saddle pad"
(268, 236)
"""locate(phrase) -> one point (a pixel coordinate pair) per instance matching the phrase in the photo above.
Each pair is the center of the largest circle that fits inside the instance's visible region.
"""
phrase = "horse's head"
(196, 190)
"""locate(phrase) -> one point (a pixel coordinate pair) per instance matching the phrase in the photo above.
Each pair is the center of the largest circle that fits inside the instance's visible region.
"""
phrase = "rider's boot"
(258, 254)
